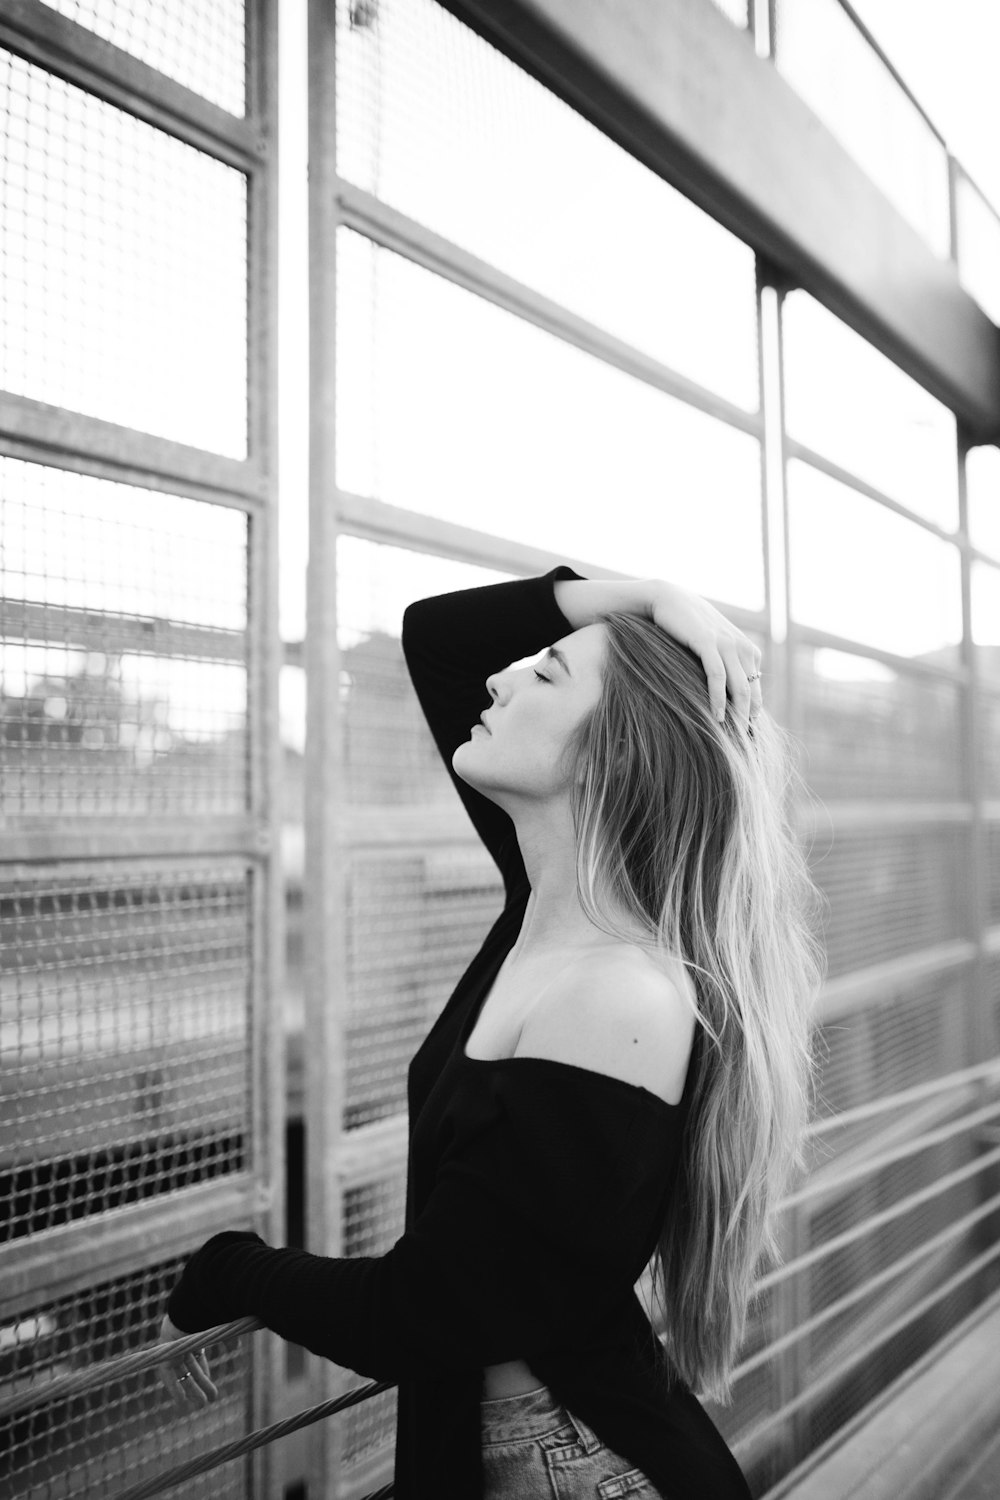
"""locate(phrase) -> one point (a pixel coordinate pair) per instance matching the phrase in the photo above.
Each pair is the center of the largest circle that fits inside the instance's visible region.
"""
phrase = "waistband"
(531, 1414)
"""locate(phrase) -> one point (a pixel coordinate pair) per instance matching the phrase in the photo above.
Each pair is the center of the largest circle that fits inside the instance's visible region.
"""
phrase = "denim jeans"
(535, 1449)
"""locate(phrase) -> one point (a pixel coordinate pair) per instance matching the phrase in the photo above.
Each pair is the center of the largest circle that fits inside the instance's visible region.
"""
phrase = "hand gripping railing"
(105, 1371)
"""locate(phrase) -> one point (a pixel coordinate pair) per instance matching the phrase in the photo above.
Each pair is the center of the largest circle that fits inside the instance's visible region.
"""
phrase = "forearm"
(582, 600)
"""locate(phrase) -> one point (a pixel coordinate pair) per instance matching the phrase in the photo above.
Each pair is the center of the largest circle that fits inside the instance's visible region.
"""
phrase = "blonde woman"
(620, 1077)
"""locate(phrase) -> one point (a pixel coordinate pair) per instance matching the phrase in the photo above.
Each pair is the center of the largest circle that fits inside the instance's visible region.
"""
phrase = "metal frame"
(63, 1259)
(324, 895)
(649, 73)
(582, 53)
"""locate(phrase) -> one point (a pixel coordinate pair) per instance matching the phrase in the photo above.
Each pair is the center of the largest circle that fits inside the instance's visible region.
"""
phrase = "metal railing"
(959, 1083)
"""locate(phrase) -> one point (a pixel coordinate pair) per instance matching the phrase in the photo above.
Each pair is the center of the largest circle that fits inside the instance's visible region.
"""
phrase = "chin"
(458, 755)
(469, 774)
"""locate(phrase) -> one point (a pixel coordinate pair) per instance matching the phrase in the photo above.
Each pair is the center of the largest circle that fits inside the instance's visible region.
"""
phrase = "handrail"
(876, 1221)
(881, 1336)
(865, 1288)
(102, 1372)
(831, 1182)
(979, 1073)
(258, 1439)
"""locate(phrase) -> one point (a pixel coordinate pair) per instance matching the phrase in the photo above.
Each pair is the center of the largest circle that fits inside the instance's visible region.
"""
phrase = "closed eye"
(541, 678)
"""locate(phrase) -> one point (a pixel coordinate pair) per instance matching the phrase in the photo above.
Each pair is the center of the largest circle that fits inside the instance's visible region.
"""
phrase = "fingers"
(730, 666)
(715, 671)
(189, 1382)
(200, 1376)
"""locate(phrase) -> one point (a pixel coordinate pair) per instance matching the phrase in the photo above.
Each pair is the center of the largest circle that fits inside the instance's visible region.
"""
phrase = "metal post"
(324, 897)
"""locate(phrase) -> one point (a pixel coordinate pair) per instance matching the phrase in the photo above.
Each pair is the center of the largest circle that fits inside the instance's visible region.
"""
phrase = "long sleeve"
(527, 1243)
(452, 642)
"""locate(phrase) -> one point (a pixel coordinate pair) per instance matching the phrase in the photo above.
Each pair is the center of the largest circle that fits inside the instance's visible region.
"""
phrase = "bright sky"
(948, 55)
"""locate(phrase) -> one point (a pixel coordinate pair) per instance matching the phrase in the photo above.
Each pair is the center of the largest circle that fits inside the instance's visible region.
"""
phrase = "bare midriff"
(512, 1378)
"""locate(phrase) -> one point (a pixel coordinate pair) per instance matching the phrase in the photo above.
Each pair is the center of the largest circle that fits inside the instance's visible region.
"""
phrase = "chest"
(509, 1000)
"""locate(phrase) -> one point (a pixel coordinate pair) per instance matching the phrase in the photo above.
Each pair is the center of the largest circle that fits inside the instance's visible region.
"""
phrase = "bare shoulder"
(615, 1012)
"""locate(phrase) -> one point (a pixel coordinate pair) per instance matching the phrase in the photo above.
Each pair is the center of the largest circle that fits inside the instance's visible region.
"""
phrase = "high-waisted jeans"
(536, 1449)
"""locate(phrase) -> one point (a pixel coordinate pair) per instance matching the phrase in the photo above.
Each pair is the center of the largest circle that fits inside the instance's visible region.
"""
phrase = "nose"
(495, 682)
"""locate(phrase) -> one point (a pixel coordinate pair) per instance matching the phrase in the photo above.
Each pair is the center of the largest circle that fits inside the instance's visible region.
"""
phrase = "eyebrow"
(557, 655)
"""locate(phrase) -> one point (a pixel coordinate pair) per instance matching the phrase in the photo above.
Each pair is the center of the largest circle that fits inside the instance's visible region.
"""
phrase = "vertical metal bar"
(324, 897)
(265, 664)
(790, 1296)
(762, 19)
(954, 235)
(778, 684)
(980, 1040)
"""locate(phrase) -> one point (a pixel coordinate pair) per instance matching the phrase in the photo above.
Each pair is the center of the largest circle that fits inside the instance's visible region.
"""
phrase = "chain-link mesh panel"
(435, 121)
(124, 1037)
(414, 922)
(756, 1394)
(373, 1221)
(988, 746)
(907, 1037)
(123, 286)
(883, 1363)
(991, 833)
(129, 1430)
(876, 732)
(134, 699)
(123, 672)
(415, 915)
(883, 884)
(199, 43)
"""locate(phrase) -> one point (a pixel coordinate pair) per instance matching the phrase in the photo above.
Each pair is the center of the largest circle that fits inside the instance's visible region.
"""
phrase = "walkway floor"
(982, 1480)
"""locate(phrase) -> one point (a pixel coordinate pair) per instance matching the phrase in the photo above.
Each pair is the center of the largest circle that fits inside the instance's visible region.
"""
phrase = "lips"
(483, 722)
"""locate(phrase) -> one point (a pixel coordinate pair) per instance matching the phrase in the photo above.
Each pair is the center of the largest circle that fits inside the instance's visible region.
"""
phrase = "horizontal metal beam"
(103, 630)
(862, 987)
(869, 813)
(40, 433)
(682, 89)
(942, 1241)
(907, 666)
(750, 1443)
(58, 1262)
(44, 840)
(957, 1084)
(394, 526)
(52, 41)
(794, 449)
(387, 226)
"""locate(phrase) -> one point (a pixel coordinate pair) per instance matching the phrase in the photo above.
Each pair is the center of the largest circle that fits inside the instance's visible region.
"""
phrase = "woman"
(621, 1075)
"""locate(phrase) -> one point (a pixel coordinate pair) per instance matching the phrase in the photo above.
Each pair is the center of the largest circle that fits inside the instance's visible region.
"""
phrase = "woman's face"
(534, 712)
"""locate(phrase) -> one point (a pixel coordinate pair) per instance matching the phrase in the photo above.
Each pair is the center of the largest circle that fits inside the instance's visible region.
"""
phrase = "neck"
(554, 918)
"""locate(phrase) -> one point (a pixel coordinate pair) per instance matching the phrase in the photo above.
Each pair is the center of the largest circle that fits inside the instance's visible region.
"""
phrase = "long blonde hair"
(682, 831)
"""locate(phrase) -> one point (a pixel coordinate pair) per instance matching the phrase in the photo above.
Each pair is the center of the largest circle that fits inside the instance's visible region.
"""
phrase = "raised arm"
(452, 643)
